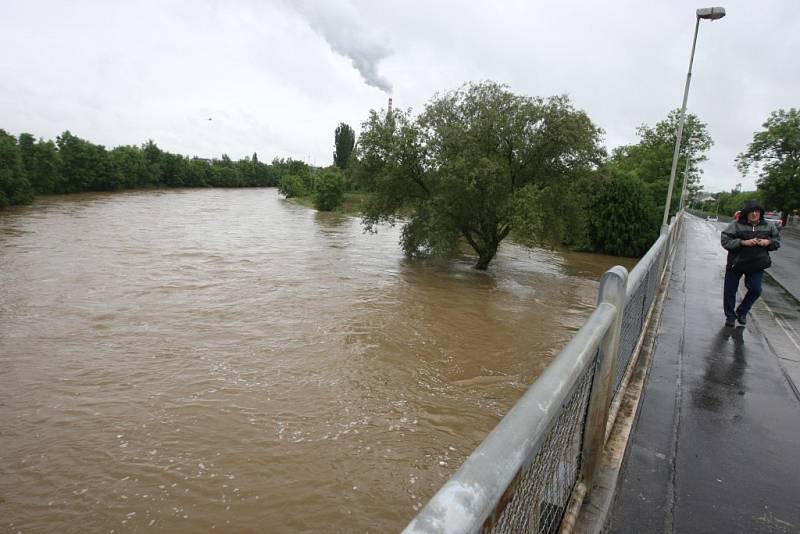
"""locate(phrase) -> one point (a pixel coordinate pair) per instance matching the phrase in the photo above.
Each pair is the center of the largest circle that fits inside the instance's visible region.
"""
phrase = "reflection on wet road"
(714, 448)
(725, 365)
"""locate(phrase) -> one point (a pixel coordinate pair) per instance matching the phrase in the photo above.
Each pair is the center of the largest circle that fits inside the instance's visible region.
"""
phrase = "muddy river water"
(197, 360)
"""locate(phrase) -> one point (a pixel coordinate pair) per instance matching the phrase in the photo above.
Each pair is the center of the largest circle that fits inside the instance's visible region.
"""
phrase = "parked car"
(712, 218)
(775, 217)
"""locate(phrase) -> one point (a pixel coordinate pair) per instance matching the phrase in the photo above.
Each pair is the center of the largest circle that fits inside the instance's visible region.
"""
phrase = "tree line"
(726, 203)
(477, 165)
(30, 167)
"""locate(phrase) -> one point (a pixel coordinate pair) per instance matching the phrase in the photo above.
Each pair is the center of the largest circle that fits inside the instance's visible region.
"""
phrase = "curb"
(760, 330)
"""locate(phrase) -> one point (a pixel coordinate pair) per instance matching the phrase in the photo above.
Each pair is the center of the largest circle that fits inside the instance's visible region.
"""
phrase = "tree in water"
(328, 190)
(463, 170)
(344, 140)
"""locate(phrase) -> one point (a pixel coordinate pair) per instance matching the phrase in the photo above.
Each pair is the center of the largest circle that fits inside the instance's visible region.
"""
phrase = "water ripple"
(198, 359)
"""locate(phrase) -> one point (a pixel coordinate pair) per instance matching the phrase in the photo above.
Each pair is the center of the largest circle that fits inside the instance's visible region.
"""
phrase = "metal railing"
(523, 475)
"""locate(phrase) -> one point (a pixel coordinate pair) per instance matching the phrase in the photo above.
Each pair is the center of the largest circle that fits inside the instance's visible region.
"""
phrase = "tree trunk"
(485, 248)
(485, 256)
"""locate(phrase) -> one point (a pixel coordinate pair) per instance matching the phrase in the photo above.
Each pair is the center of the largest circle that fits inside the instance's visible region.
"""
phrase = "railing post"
(612, 291)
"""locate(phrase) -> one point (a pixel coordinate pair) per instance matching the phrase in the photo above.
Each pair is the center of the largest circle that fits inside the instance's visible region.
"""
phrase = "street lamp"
(708, 13)
(682, 203)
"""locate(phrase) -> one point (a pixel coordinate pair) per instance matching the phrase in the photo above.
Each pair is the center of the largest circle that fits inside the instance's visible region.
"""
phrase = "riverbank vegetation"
(478, 164)
(481, 163)
(30, 167)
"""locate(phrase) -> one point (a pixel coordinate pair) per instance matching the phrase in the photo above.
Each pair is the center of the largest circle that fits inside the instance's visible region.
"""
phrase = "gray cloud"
(341, 27)
(124, 72)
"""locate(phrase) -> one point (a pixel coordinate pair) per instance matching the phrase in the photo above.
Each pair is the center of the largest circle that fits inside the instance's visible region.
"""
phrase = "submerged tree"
(328, 190)
(469, 164)
(775, 152)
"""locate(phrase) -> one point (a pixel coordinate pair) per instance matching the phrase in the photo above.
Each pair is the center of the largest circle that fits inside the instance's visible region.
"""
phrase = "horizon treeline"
(30, 167)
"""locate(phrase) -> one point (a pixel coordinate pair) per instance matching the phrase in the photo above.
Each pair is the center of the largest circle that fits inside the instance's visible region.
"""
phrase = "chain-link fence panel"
(535, 501)
(632, 323)
(638, 303)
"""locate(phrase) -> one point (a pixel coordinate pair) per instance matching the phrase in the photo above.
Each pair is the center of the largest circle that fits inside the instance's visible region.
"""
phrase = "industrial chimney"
(390, 106)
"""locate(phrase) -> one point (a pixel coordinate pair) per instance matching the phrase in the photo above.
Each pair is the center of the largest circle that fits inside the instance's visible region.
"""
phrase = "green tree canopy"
(650, 160)
(14, 186)
(72, 164)
(344, 139)
(293, 185)
(468, 163)
(775, 153)
(621, 218)
(84, 165)
(731, 202)
(40, 163)
(130, 167)
(328, 190)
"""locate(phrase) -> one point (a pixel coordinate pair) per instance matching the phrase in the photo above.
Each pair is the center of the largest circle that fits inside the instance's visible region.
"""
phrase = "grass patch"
(353, 202)
(351, 205)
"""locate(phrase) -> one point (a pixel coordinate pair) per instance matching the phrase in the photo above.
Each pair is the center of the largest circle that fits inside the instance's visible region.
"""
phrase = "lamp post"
(708, 13)
(682, 204)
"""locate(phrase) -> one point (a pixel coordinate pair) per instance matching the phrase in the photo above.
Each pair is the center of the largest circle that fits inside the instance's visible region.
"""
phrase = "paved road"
(714, 447)
(778, 311)
(786, 262)
(777, 315)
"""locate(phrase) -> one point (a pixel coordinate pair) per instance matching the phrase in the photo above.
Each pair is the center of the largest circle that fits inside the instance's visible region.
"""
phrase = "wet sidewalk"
(715, 443)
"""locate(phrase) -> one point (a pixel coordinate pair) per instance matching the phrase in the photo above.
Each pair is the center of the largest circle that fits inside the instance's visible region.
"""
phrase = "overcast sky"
(276, 76)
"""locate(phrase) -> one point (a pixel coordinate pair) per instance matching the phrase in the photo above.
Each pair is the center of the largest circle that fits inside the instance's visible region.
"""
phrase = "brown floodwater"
(197, 360)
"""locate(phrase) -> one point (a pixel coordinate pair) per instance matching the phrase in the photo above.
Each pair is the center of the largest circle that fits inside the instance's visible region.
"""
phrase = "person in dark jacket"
(748, 241)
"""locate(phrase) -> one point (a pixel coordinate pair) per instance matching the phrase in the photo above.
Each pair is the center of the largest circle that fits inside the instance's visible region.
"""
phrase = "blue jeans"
(752, 281)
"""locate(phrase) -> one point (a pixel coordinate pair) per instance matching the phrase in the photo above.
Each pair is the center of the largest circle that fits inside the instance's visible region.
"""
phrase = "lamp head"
(711, 13)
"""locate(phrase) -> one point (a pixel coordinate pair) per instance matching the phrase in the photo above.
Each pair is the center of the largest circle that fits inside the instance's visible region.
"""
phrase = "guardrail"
(545, 451)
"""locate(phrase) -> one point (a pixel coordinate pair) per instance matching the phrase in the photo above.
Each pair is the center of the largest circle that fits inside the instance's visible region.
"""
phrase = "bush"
(622, 221)
(292, 185)
(329, 193)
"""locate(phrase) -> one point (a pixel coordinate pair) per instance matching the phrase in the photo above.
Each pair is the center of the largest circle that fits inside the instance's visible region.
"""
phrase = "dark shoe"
(730, 322)
(742, 319)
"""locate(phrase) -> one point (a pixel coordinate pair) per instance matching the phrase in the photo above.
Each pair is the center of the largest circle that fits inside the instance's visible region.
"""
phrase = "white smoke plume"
(340, 25)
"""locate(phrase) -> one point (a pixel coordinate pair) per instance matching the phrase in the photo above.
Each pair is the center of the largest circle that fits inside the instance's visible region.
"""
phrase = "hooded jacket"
(749, 259)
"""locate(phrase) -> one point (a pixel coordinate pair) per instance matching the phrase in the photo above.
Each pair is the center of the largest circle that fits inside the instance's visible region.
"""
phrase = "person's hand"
(764, 242)
(750, 242)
